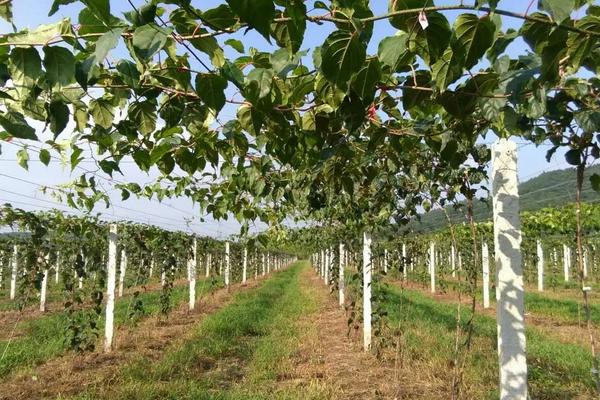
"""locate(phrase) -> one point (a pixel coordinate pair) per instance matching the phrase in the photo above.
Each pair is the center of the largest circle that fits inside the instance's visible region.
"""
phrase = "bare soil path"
(331, 362)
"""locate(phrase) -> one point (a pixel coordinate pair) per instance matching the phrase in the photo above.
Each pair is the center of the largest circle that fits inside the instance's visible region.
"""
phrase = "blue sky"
(18, 185)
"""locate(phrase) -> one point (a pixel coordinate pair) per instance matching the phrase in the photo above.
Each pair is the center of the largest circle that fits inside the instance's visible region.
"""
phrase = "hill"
(549, 189)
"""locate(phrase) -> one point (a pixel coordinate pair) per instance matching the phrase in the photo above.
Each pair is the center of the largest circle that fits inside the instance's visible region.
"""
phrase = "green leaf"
(290, 33)
(211, 89)
(235, 44)
(75, 158)
(109, 166)
(129, 73)
(588, 121)
(106, 43)
(535, 33)
(250, 119)
(283, 63)
(342, 55)
(186, 26)
(143, 114)
(580, 45)
(233, 74)
(149, 39)
(573, 157)
(366, 79)
(447, 69)
(23, 158)
(172, 110)
(393, 52)
(58, 117)
(595, 182)
(100, 8)
(501, 43)
(263, 78)
(159, 151)
(102, 113)
(41, 34)
(81, 119)
(14, 123)
(558, 9)
(491, 3)
(45, 157)
(552, 54)
(142, 159)
(473, 36)
(6, 11)
(142, 15)
(219, 18)
(429, 43)
(25, 67)
(258, 14)
(60, 66)
(411, 97)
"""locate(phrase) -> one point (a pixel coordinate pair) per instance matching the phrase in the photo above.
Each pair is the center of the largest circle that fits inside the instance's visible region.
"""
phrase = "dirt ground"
(328, 359)
(15, 320)
(71, 374)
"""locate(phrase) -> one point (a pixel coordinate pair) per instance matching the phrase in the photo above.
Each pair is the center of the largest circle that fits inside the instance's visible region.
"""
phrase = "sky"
(22, 188)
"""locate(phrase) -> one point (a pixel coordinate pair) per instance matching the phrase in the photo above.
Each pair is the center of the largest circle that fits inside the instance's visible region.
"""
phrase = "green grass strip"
(235, 353)
(556, 369)
(44, 337)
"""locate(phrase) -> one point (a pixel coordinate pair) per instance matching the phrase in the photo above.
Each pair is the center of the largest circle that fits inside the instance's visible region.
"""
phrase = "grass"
(44, 337)
(556, 370)
(236, 353)
(55, 293)
(566, 309)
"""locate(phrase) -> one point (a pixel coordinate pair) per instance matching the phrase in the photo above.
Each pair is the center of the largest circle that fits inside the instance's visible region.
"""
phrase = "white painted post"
(192, 275)
(162, 277)
(44, 286)
(80, 279)
(453, 260)
(566, 261)
(322, 263)
(268, 263)
(507, 243)
(326, 275)
(404, 265)
(207, 273)
(585, 262)
(151, 265)
(110, 287)
(385, 260)
(1, 267)
(366, 290)
(264, 265)
(540, 266)
(122, 271)
(57, 267)
(432, 265)
(244, 266)
(14, 271)
(227, 266)
(341, 276)
(485, 260)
